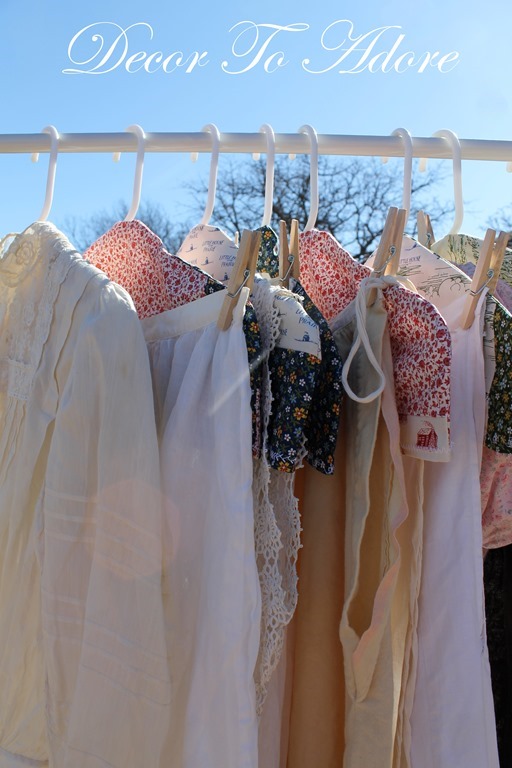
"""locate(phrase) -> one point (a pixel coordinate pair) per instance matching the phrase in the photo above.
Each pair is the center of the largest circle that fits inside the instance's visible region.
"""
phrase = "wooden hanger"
(481, 278)
(289, 264)
(242, 274)
(425, 231)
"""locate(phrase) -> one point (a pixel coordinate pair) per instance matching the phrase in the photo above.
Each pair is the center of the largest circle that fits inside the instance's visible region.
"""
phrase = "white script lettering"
(111, 49)
(105, 46)
(358, 53)
(252, 43)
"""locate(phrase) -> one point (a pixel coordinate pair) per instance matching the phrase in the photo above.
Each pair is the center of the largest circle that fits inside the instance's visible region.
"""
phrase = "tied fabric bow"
(365, 286)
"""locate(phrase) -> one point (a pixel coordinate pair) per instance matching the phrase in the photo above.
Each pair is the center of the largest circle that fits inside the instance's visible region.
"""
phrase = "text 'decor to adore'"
(103, 47)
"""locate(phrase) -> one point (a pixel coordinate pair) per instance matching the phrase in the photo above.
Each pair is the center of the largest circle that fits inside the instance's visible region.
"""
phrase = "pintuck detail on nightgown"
(80, 518)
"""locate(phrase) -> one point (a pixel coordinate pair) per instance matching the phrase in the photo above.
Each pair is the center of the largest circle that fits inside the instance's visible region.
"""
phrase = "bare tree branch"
(355, 194)
(502, 220)
(83, 232)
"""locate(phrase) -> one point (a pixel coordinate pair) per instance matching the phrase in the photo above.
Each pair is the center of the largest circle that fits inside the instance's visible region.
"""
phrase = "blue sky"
(474, 98)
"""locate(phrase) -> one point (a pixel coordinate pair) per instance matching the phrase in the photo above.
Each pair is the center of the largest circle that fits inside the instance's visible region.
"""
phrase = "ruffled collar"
(26, 250)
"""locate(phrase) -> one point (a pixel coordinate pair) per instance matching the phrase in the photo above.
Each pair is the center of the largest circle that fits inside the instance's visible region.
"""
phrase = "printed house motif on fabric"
(420, 340)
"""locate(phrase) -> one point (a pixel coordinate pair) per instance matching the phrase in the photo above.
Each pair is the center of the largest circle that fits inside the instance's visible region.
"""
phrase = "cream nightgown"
(84, 677)
(213, 600)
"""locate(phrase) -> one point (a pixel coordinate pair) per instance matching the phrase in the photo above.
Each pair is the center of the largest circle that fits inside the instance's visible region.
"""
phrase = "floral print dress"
(420, 342)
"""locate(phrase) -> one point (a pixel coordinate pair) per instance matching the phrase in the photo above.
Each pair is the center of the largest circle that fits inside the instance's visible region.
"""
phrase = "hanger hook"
(139, 167)
(269, 173)
(52, 168)
(406, 137)
(214, 164)
(313, 175)
(453, 141)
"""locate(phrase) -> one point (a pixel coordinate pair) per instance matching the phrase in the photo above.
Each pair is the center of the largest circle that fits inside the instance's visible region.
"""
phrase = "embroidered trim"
(41, 249)
(276, 520)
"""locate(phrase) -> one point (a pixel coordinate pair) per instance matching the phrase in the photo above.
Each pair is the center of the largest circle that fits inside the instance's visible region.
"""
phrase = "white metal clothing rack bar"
(286, 143)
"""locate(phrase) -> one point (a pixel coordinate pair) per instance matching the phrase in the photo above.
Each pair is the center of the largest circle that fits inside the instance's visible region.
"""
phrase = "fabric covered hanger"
(331, 278)
(133, 256)
(208, 246)
(445, 285)
(268, 254)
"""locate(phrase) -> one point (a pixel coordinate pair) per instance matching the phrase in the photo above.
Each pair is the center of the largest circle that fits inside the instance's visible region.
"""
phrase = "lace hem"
(275, 516)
